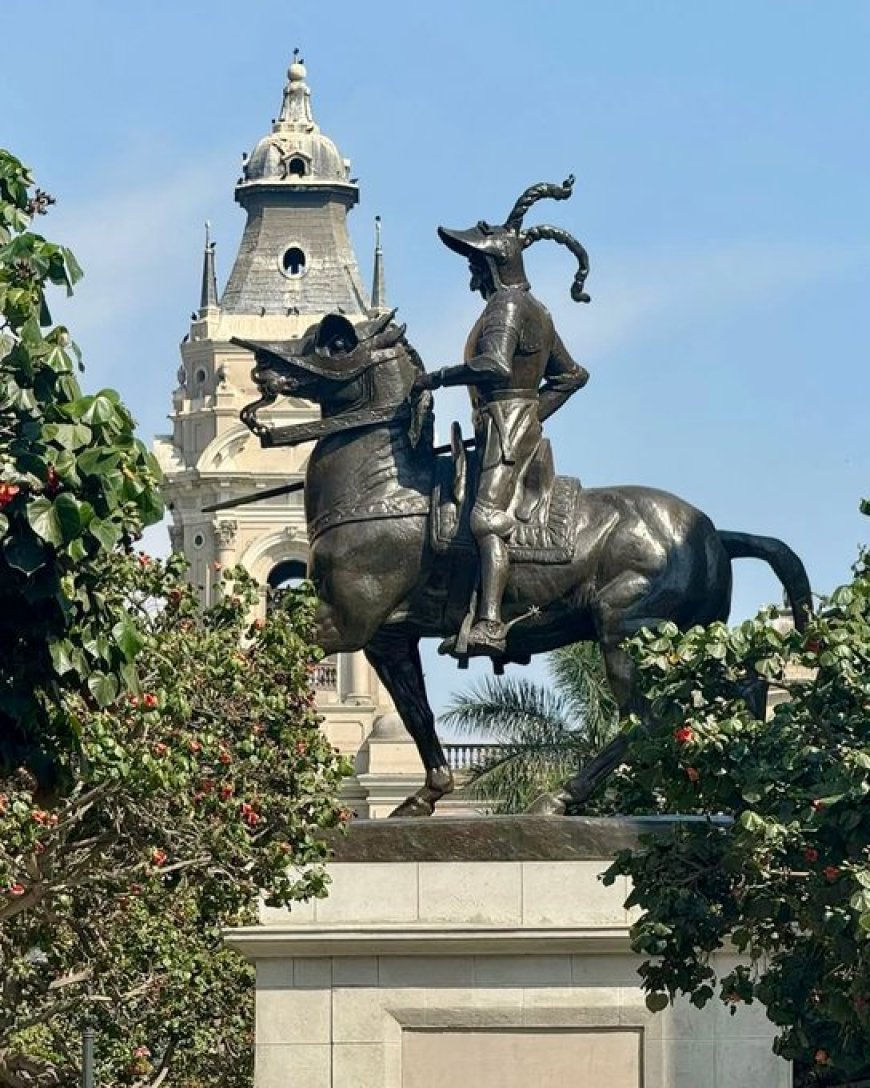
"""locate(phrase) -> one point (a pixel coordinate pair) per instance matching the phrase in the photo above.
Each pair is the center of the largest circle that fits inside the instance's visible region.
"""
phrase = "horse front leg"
(395, 657)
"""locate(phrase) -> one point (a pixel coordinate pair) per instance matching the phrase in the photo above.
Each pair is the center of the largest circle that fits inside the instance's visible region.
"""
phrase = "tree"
(161, 767)
(187, 802)
(542, 736)
(788, 881)
(74, 483)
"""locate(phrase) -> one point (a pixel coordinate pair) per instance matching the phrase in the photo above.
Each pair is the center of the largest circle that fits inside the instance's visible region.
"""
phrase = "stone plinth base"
(510, 970)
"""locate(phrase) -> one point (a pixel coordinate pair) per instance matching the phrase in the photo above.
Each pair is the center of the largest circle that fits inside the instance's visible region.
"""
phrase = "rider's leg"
(495, 568)
(490, 527)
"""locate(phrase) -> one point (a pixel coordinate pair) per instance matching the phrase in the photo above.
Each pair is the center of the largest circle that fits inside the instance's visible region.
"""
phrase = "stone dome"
(295, 157)
(295, 151)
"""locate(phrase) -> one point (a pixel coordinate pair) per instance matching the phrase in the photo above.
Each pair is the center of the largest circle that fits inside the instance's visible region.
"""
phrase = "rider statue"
(518, 373)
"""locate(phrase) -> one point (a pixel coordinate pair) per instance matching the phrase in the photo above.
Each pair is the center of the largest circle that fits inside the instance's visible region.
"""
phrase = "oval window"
(293, 261)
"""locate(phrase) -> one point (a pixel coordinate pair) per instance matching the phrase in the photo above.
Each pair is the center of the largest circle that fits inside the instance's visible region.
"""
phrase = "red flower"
(301, 747)
(831, 872)
(144, 559)
(811, 854)
(8, 493)
(224, 757)
(249, 814)
(692, 774)
(158, 857)
(149, 700)
(141, 1052)
(17, 889)
(160, 749)
(195, 746)
(226, 791)
(175, 596)
(134, 700)
(683, 735)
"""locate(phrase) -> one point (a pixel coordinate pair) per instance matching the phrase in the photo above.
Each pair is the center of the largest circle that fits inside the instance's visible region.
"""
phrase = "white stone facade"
(504, 974)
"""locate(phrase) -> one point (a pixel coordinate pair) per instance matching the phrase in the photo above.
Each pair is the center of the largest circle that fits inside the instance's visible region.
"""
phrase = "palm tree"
(541, 734)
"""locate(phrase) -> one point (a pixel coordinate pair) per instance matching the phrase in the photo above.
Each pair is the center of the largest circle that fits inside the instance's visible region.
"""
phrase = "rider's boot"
(489, 633)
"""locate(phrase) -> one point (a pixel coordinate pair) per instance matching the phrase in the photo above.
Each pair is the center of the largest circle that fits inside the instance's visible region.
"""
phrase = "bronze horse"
(635, 557)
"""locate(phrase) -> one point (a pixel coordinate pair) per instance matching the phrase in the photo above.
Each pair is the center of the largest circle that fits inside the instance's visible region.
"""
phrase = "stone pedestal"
(481, 949)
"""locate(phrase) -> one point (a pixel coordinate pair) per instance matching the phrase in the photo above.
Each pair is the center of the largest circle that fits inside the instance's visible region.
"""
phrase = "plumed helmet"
(501, 247)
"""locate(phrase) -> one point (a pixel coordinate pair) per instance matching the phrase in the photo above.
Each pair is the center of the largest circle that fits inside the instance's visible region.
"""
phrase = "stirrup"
(487, 637)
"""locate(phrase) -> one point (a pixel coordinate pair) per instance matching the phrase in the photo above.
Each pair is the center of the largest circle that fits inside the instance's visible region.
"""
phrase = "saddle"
(545, 509)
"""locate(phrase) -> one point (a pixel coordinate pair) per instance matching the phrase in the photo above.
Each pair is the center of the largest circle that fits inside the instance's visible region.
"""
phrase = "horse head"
(337, 364)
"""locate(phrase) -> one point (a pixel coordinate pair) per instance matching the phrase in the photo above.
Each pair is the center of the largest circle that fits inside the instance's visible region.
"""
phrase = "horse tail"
(786, 565)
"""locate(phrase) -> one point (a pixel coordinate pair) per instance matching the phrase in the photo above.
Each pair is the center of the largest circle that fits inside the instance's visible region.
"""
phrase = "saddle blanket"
(552, 541)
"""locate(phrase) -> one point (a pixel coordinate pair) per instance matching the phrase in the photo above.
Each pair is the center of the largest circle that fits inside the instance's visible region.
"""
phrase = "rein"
(358, 419)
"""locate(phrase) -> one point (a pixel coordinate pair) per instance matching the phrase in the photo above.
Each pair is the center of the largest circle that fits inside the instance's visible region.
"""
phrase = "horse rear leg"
(624, 608)
(395, 657)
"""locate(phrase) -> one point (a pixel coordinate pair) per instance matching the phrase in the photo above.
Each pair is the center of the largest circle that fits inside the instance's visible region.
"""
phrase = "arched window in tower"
(293, 262)
(296, 167)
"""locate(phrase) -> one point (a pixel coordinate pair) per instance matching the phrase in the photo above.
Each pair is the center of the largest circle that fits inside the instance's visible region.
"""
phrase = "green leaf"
(751, 821)
(61, 656)
(24, 552)
(657, 1002)
(57, 521)
(97, 462)
(72, 436)
(127, 637)
(103, 687)
(101, 410)
(105, 532)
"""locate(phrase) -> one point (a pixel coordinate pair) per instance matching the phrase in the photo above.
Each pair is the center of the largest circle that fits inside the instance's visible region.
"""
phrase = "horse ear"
(335, 336)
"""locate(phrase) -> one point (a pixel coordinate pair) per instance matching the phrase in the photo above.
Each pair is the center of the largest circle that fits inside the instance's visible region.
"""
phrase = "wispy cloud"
(646, 293)
(137, 244)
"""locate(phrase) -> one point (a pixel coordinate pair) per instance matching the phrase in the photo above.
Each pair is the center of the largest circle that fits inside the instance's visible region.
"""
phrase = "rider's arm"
(562, 378)
(491, 363)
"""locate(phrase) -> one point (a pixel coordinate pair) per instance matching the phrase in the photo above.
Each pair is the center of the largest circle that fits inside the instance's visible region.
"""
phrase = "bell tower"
(295, 263)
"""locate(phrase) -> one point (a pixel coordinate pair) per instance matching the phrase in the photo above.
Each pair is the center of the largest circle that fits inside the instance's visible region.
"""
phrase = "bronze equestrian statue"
(394, 527)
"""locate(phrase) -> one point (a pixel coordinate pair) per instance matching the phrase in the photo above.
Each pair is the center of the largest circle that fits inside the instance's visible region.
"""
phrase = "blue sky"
(722, 153)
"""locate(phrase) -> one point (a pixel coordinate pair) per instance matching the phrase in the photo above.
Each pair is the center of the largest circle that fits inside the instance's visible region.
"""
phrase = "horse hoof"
(413, 806)
(549, 804)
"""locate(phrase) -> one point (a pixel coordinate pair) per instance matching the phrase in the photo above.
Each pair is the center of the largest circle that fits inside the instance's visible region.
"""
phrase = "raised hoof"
(414, 806)
(550, 804)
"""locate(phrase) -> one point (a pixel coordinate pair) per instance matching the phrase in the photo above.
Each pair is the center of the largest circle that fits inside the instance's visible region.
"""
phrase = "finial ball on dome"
(297, 71)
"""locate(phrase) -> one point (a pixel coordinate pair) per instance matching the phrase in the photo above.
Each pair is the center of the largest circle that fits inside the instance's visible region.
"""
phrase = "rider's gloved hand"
(426, 381)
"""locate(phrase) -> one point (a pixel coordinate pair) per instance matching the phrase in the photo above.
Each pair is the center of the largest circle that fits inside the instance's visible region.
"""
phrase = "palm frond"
(542, 734)
(579, 678)
(508, 710)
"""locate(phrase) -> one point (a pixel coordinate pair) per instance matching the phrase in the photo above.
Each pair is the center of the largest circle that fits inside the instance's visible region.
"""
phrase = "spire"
(208, 296)
(296, 108)
(379, 292)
